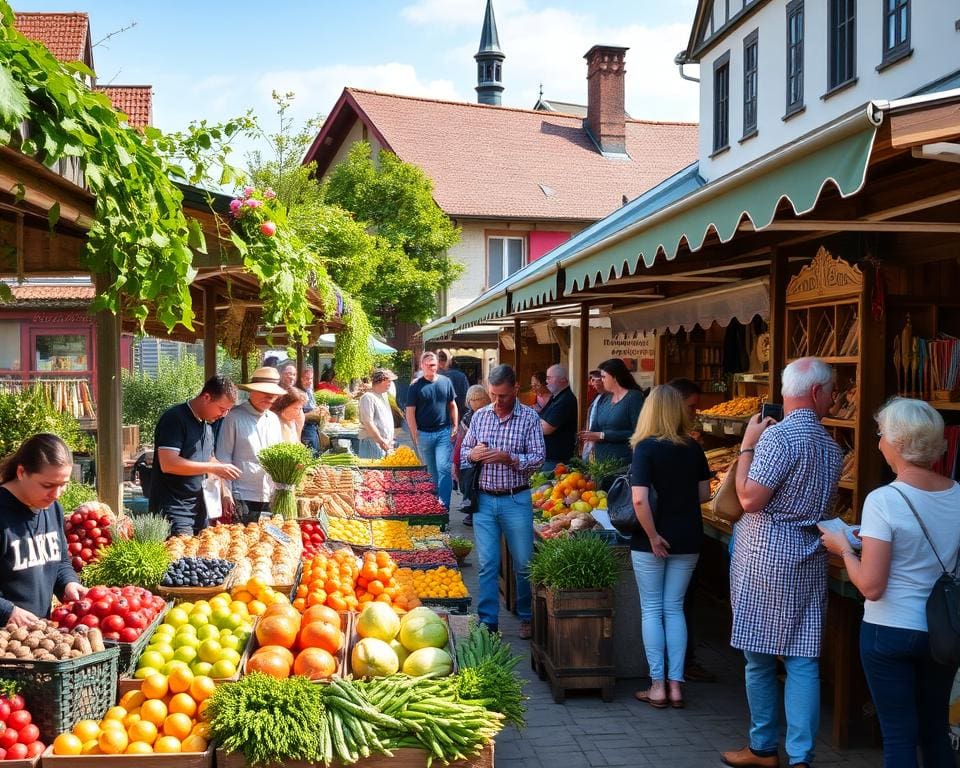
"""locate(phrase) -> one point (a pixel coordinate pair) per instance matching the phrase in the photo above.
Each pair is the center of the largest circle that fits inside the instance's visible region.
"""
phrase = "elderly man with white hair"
(558, 418)
(786, 481)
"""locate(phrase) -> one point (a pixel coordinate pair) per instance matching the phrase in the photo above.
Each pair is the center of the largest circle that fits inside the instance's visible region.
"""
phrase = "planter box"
(404, 757)
(156, 760)
(572, 643)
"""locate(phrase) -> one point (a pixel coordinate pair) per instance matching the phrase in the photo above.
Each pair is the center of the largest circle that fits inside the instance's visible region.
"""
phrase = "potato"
(62, 651)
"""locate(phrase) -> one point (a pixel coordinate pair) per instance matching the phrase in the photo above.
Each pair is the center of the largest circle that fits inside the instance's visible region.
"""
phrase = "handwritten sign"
(276, 533)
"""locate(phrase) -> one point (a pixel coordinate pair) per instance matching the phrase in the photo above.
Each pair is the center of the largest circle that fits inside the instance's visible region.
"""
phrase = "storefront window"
(9, 346)
(61, 353)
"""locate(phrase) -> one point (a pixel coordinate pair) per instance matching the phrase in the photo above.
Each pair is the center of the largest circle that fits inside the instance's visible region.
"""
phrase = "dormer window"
(842, 53)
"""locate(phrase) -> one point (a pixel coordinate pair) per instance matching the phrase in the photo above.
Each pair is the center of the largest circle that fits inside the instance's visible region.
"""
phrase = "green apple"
(143, 672)
(152, 659)
(208, 632)
(229, 654)
(231, 641)
(210, 651)
(177, 617)
(201, 668)
(172, 665)
(223, 668)
(164, 630)
(185, 653)
(219, 616)
(164, 649)
(186, 641)
(198, 619)
(202, 606)
(188, 607)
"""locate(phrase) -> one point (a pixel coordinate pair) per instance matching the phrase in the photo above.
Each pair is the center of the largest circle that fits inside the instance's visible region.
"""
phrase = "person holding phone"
(786, 481)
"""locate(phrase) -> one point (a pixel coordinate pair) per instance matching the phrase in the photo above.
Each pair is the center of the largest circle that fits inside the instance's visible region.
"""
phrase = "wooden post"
(582, 365)
(109, 397)
(244, 373)
(517, 329)
(209, 332)
(779, 268)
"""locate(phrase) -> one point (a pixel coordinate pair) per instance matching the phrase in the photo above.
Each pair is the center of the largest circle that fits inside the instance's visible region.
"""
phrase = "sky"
(214, 60)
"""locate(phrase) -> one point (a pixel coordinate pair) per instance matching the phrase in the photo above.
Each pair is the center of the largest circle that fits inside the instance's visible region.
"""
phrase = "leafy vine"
(351, 351)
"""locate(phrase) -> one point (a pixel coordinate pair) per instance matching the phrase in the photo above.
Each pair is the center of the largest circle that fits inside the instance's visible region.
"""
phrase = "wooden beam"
(209, 331)
(923, 126)
(517, 344)
(109, 397)
(611, 295)
(779, 275)
(839, 225)
(582, 366)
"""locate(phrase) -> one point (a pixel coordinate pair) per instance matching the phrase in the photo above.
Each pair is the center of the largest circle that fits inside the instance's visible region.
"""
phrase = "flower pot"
(337, 412)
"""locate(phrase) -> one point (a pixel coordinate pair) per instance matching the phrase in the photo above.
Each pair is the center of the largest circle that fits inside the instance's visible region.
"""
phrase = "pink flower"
(235, 205)
(248, 191)
(269, 194)
(252, 202)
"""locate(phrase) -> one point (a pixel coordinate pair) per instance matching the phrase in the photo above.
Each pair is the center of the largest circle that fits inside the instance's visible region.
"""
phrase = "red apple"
(268, 229)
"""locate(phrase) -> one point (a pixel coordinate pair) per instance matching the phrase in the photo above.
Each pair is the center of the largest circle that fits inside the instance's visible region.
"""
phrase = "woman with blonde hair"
(667, 460)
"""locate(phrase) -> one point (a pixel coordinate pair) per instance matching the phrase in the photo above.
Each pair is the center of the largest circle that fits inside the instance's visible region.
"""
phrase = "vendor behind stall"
(34, 562)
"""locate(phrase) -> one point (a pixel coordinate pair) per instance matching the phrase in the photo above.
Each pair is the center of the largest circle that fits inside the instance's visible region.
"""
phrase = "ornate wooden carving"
(825, 278)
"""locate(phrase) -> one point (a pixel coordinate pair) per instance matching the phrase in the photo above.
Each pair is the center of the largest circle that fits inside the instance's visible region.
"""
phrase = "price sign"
(279, 535)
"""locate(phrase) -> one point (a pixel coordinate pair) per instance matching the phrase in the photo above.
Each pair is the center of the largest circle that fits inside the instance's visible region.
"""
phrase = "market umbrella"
(326, 341)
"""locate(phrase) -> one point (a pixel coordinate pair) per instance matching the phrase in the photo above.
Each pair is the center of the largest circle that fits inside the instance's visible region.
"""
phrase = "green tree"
(145, 398)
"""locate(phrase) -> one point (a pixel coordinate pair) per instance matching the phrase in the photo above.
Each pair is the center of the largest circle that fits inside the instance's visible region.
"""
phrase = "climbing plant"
(351, 351)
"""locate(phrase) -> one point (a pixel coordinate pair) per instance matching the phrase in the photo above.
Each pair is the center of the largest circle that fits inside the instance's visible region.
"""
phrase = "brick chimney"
(605, 111)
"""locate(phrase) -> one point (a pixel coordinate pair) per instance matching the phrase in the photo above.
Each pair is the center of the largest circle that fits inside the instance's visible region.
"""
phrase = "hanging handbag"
(620, 508)
(943, 605)
(726, 504)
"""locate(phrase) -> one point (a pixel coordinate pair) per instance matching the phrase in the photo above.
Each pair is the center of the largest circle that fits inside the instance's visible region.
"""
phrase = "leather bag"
(623, 517)
(943, 605)
(726, 504)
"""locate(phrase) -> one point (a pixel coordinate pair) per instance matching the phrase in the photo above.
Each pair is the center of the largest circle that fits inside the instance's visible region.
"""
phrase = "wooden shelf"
(854, 360)
(944, 405)
(828, 421)
(848, 484)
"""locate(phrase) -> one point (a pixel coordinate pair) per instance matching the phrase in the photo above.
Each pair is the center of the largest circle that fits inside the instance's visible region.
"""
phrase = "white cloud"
(458, 12)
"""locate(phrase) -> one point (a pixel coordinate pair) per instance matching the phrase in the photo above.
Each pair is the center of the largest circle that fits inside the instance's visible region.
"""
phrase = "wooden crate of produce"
(405, 757)
(155, 760)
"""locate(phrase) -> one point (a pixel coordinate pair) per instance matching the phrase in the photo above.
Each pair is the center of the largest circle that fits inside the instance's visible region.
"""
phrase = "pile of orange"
(435, 582)
(376, 582)
(258, 596)
(165, 715)
(291, 644)
(329, 579)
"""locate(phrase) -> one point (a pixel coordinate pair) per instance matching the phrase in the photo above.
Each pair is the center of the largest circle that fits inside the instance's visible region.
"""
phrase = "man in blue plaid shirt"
(786, 481)
(506, 440)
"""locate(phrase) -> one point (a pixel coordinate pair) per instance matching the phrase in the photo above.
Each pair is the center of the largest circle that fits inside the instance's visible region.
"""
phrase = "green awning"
(837, 154)
(436, 330)
(532, 294)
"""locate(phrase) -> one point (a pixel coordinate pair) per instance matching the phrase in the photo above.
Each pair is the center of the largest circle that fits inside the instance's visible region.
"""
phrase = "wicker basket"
(62, 692)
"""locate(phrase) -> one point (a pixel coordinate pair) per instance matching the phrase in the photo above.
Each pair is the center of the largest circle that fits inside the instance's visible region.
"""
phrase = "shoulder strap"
(922, 527)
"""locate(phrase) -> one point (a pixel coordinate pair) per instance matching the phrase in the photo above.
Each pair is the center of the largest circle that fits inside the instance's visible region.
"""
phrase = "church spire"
(489, 61)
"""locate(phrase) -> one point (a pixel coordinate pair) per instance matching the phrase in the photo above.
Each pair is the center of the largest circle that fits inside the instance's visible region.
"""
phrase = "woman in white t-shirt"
(376, 418)
(895, 573)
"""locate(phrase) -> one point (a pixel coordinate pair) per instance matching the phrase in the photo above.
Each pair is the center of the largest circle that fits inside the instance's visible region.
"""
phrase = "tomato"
(58, 614)
(102, 541)
(8, 737)
(135, 603)
(158, 603)
(19, 719)
(112, 623)
(77, 563)
(4, 712)
(74, 547)
(136, 620)
(121, 605)
(86, 554)
(98, 593)
(72, 537)
(76, 519)
(35, 749)
(101, 608)
(17, 751)
(129, 634)
(104, 521)
(16, 702)
(29, 734)
(90, 620)
(89, 524)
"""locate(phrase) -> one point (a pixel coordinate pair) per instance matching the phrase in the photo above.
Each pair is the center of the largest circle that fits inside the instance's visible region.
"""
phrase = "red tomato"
(90, 620)
(104, 521)
(96, 532)
(121, 605)
(72, 537)
(112, 623)
(86, 554)
(158, 603)
(77, 562)
(102, 608)
(3, 754)
(17, 751)
(135, 603)
(89, 524)
(16, 702)
(136, 620)
(74, 547)
(8, 737)
(35, 749)
(69, 621)
(98, 593)
(29, 734)
(4, 712)
(82, 607)
(102, 541)
(129, 634)
(57, 614)
(18, 719)
(76, 518)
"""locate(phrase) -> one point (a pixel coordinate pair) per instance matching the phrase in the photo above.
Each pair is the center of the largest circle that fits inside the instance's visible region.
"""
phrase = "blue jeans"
(511, 516)
(662, 583)
(369, 449)
(911, 693)
(436, 449)
(801, 703)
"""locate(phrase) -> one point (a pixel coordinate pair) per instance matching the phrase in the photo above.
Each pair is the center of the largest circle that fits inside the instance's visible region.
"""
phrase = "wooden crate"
(131, 441)
(572, 644)
(156, 760)
(405, 757)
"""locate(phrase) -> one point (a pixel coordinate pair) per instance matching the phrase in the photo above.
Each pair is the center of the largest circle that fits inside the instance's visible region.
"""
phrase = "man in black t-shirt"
(432, 418)
(559, 419)
(448, 367)
(183, 455)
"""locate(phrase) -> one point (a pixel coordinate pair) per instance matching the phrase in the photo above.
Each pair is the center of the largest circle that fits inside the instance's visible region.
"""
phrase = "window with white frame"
(505, 255)
(750, 78)
(896, 29)
(842, 46)
(794, 56)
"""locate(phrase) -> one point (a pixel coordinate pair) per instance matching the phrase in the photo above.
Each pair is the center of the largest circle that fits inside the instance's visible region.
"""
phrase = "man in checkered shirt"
(506, 440)
(786, 481)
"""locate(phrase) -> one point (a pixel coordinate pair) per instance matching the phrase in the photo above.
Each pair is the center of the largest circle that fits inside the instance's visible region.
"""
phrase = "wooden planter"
(572, 643)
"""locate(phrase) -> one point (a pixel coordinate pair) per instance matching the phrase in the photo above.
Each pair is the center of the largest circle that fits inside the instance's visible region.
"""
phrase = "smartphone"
(772, 409)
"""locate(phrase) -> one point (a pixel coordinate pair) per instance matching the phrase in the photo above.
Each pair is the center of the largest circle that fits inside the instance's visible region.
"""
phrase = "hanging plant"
(351, 350)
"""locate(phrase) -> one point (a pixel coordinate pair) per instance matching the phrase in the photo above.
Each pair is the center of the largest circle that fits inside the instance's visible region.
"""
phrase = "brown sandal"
(656, 703)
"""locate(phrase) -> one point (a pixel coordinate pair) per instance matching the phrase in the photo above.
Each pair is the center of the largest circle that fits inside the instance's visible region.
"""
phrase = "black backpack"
(142, 472)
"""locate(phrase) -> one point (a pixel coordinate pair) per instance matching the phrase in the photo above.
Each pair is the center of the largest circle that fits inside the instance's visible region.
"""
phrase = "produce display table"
(402, 758)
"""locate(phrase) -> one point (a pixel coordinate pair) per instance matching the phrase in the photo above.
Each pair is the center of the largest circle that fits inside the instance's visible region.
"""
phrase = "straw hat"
(266, 380)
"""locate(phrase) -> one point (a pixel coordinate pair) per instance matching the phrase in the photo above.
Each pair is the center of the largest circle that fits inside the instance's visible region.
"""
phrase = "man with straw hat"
(247, 430)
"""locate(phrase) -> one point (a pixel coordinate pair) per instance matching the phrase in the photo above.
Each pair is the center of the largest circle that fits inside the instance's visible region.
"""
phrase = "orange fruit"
(155, 686)
(112, 725)
(133, 717)
(315, 663)
(115, 713)
(183, 702)
(85, 730)
(67, 744)
(322, 613)
(278, 630)
(91, 747)
(256, 607)
(202, 688)
(243, 595)
(113, 741)
(272, 664)
(203, 730)
(154, 711)
(179, 679)
(194, 743)
(285, 653)
(139, 748)
(319, 634)
(202, 709)
(282, 609)
(131, 700)
(144, 731)
(177, 725)
(167, 744)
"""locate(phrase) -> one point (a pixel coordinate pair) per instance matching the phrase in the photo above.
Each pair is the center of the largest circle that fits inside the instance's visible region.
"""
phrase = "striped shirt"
(519, 434)
(778, 573)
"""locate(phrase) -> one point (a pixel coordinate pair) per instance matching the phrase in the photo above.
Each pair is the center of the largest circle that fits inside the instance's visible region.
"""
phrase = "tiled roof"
(52, 293)
(66, 35)
(135, 101)
(501, 162)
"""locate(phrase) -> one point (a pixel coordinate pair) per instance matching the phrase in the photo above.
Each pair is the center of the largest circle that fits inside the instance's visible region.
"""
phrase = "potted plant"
(461, 549)
(573, 579)
(335, 402)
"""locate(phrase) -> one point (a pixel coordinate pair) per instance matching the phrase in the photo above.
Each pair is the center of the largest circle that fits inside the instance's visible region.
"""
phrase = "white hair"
(800, 376)
(914, 428)
(559, 371)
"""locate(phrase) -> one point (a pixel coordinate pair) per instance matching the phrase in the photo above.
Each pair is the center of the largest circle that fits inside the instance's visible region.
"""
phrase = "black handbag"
(623, 517)
(943, 605)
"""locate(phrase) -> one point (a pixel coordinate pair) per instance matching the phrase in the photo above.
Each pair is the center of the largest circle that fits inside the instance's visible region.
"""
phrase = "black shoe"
(468, 521)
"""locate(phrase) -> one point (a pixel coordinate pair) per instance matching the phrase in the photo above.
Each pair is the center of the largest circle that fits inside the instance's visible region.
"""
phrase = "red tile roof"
(135, 101)
(52, 293)
(66, 35)
(502, 162)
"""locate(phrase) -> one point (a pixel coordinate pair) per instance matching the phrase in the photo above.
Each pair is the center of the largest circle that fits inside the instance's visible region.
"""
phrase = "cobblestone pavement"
(586, 732)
